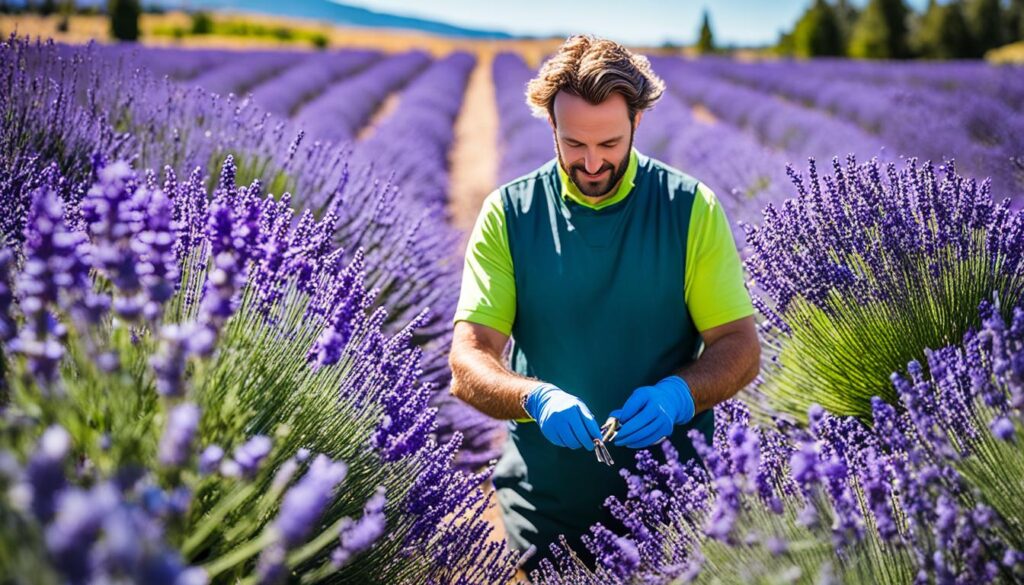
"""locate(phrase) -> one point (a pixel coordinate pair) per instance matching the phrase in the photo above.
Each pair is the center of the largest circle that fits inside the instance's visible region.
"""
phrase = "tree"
(202, 23)
(817, 32)
(984, 19)
(124, 19)
(846, 17)
(1014, 22)
(942, 32)
(881, 31)
(706, 40)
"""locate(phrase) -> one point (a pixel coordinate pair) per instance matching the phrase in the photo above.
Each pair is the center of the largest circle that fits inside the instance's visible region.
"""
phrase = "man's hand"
(563, 418)
(651, 411)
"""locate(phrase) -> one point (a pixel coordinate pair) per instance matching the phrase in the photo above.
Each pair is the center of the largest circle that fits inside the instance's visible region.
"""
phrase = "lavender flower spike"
(359, 535)
(176, 444)
(306, 501)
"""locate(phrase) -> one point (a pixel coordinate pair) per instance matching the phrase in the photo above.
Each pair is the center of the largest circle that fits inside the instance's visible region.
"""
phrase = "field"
(228, 275)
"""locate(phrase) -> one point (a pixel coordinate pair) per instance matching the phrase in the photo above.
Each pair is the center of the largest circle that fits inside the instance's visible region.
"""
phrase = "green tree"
(202, 23)
(984, 19)
(846, 16)
(817, 32)
(881, 31)
(785, 44)
(1014, 21)
(706, 39)
(942, 32)
(124, 19)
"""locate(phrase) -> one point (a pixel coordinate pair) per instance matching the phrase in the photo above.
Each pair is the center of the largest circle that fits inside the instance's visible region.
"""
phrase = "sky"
(648, 22)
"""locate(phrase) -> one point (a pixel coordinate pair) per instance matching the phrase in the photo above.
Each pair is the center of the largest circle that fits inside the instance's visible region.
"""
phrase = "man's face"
(593, 141)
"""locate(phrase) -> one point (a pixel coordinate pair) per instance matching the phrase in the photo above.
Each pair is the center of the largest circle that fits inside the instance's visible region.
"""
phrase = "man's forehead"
(579, 118)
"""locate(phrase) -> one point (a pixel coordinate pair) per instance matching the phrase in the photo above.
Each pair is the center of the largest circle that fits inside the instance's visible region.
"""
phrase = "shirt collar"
(570, 191)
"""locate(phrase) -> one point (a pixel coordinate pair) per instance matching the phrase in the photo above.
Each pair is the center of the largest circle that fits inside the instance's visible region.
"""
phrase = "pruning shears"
(609, 429)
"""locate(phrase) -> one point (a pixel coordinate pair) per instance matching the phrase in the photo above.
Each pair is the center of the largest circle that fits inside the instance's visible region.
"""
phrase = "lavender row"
(776, 123)
(241, 74)
(184, 127)
(866, 270)
(176, 63)
(413, 140)
(413, 143)
(525, 142)
(283, 94)
(294, 372)
(343, 109)
(1005, 82)
(983, 133)
(744, 175)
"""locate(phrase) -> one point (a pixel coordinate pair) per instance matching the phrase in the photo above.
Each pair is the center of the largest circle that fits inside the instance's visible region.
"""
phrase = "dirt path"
(702, 114)
(473, 164)
(473, 159)
(384, 110)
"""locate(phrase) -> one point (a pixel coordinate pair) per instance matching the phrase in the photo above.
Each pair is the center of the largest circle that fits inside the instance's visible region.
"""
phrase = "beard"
(598, 187)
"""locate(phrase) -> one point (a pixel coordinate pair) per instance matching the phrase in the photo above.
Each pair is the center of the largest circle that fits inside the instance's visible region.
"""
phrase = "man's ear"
(636, 121)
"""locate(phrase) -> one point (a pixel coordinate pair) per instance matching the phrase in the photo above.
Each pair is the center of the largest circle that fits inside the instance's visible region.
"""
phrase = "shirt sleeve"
(715, 290)
(488, 294)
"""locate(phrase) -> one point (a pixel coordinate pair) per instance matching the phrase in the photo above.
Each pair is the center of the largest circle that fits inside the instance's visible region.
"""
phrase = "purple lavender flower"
(233, 231)
(879, 494)
(76, 527)
(247, 458)
(158, 268)
(176, 443)
(45, 471)
(210, 459)
(359, 535)
(616, 554)
(305, 502)
(169, 360)
(54, 274)
(271, 567)
(1003, 428)
(114, 213)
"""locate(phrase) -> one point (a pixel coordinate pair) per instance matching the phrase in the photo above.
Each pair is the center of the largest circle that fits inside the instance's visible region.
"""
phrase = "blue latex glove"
(651, 411)
(563, 418)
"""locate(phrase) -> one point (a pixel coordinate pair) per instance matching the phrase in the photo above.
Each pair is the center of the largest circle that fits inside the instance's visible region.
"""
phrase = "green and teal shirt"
(598, 300)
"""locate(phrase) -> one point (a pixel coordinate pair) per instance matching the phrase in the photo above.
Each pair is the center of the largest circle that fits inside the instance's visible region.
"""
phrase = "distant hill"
(337, 13)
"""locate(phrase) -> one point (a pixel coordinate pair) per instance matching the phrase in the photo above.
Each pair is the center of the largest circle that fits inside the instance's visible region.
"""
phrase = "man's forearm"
(483, 382)
(720, 371)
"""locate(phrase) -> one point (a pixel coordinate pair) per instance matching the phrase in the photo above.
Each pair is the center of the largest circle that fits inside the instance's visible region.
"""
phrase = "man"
(608, 269)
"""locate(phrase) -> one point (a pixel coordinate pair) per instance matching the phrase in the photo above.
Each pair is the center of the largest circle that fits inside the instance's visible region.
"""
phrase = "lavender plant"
(868, 266)
(966, 412)
(924, 495)
(101, 102)
(526, 142)
(979, 127)
(191, 378)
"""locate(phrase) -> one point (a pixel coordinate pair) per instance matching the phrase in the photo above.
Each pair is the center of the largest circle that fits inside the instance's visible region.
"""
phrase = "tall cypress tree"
(881, 31)
(1014, 21)
(124, 19)
(984, 18)
(846, 17)
(706, 39)
(817, 32)
(943, 32)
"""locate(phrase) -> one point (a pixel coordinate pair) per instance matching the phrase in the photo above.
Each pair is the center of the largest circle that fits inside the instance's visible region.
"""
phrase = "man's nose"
(592, 163)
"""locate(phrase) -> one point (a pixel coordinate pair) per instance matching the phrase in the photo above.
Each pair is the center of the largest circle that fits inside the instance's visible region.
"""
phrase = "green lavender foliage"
(869, 273)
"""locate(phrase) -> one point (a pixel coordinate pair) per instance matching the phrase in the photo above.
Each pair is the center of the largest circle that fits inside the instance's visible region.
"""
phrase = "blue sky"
(629, 21)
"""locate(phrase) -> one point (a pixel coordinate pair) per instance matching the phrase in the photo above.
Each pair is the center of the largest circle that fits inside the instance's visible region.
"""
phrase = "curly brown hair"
(592, 68)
